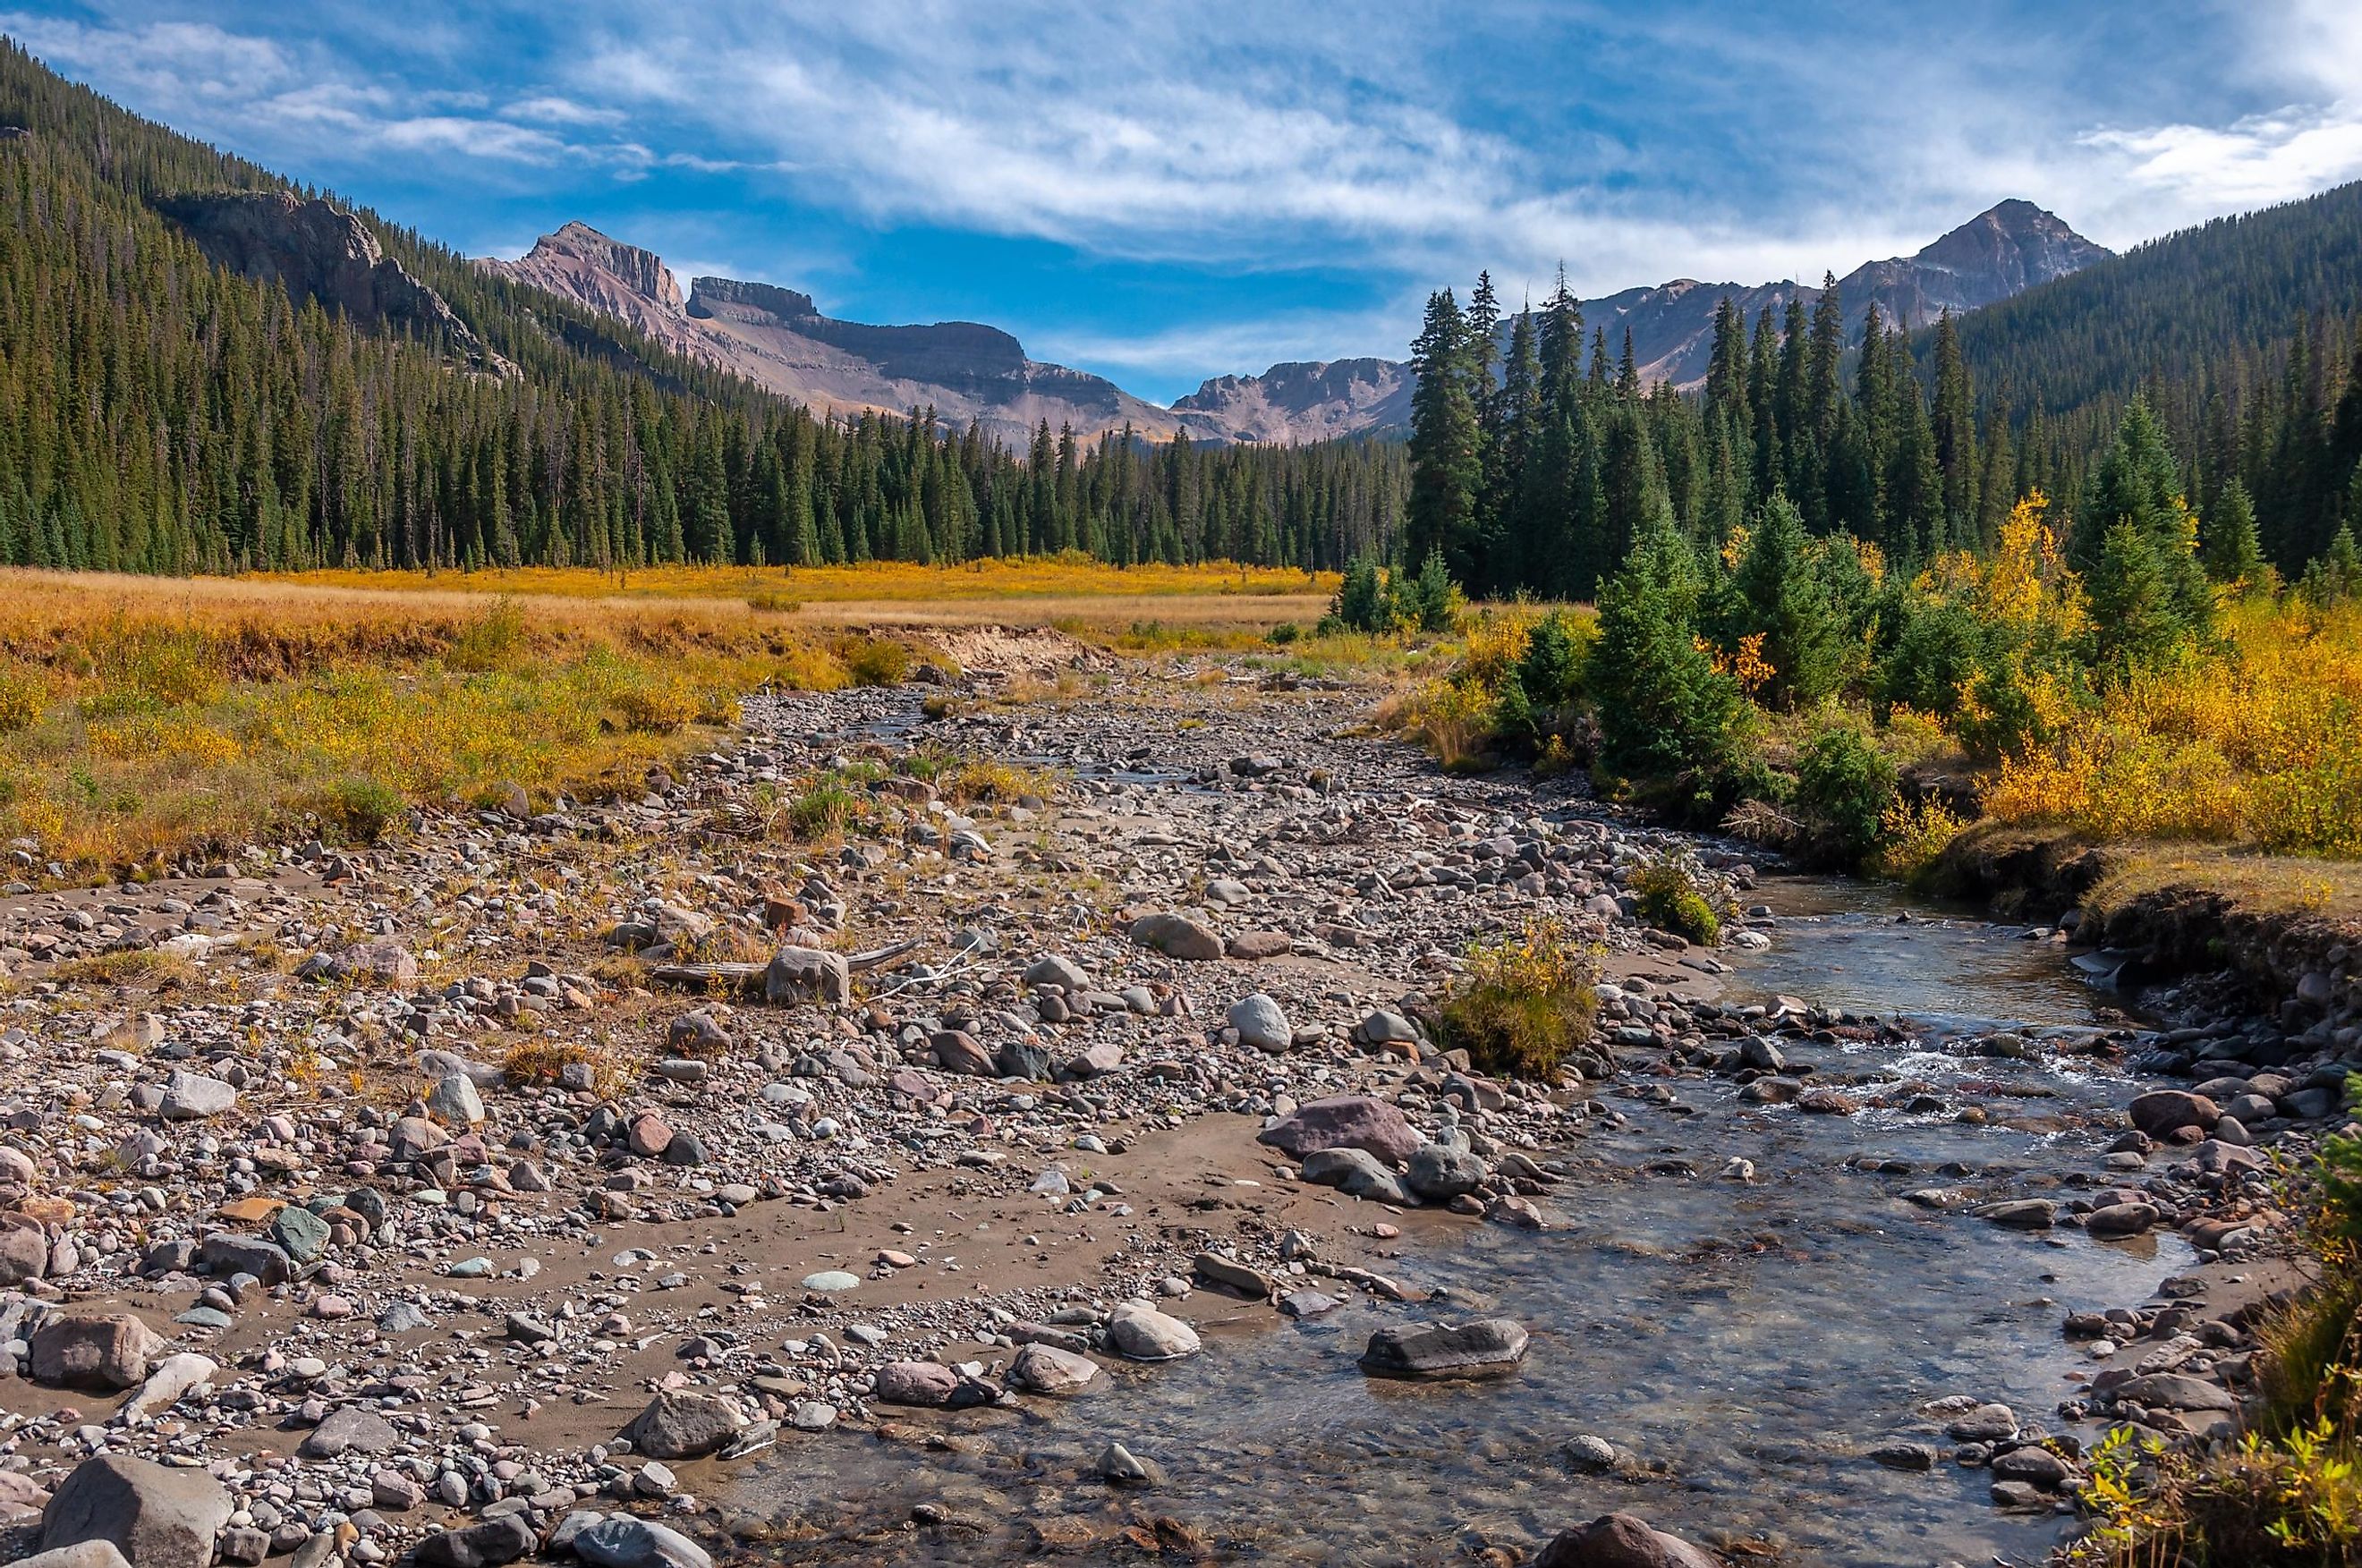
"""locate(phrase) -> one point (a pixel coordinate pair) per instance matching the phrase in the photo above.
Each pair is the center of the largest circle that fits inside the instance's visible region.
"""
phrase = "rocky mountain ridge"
(778, 338)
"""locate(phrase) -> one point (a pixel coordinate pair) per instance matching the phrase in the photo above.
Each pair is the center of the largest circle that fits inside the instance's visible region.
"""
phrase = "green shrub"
(359, 809)
(825, 809)
(1522, 1004)
(873, 662)
(1551, 668)
(1672, 897)
(492, 640)
(1845, 786)
(1286, 632)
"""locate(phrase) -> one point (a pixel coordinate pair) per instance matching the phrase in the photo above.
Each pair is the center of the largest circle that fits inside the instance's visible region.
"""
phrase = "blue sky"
(1163, 192)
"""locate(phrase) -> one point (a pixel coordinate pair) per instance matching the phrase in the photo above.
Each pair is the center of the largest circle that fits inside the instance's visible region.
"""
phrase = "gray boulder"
(681, 1424)
(354, 1429)
(157, 1517)
(807, 975)
(193, 1097)
(1261, 1024)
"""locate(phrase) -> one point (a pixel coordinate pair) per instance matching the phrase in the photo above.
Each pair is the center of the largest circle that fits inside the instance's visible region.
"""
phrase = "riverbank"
(503, 1181)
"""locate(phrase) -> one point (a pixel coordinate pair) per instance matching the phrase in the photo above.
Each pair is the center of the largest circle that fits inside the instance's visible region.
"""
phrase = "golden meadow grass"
(143, 720)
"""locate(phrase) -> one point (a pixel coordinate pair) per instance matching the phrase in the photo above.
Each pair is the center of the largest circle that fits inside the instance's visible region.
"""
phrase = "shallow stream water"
(1746, 1344)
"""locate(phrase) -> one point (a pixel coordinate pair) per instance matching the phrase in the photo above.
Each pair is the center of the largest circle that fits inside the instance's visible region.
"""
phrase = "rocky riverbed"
(1073, 1178)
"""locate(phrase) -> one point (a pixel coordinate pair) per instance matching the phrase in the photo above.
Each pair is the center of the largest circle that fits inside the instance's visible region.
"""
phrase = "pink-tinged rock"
(1345, 1121)
(650, 1135)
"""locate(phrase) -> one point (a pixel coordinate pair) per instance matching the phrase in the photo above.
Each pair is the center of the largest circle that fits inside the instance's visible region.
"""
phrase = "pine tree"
(1446, 459)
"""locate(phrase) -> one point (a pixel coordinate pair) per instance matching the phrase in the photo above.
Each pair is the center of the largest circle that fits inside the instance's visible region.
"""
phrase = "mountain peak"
(2009, 247)
(577, 248)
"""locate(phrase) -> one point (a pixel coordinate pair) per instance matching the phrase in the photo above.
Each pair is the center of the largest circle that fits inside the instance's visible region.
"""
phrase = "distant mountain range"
(1999, 253)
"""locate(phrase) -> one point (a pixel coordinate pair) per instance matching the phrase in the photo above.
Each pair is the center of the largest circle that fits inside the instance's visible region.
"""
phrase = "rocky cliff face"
(317, 251)
(778, 338)
(1995, 255)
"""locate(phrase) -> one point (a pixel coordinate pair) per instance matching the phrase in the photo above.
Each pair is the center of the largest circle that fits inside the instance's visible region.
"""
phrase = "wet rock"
(2034, 1466)
(1906, 1455)
(1177, 937)
(682, 1424)
(2022, 1214)
(1138, 1332)
(2161, 1113)
(1261, 1024)
(1348, 1122)
(1357, 1173)
(2174, 1391)
(1490, 1348)
(1120, 1466)
(1620, 1541)
(2117, 1221)
(1592, 1454)
(156, 1516)
(1046, 1369)
(1438, 1173)
(621, 1541)
(1985, 1423)
(106, 1350)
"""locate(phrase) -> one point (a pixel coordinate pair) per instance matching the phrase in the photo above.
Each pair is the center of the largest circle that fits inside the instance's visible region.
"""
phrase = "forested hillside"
(1537, 467)
(158, 414)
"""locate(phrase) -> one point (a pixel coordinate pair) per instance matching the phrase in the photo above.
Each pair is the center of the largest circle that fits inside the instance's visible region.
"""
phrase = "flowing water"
(1746, 1344)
